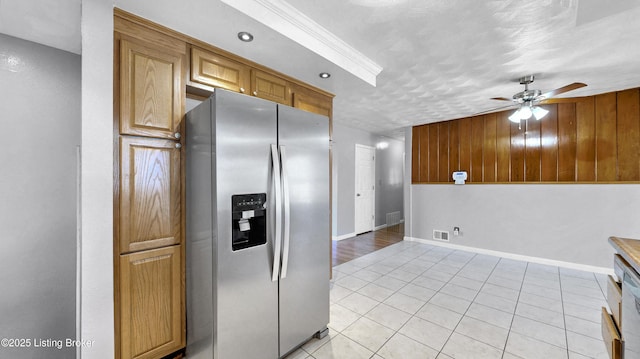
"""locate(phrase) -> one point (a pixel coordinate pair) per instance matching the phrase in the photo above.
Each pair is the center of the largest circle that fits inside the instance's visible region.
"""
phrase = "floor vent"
(393, 218)
(441, 235)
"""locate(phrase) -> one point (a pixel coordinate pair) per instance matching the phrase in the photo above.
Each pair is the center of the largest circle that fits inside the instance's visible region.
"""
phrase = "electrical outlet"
(456, 231)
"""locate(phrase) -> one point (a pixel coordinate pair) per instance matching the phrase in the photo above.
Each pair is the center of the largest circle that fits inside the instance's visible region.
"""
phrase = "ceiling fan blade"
(502, 99)
(563, 89)
(497, 109)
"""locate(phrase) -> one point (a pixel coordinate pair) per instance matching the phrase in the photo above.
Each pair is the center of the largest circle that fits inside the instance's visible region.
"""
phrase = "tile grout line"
(564, 320)
(472, 301)
(566, 330)
(524, 275)
(454, 328)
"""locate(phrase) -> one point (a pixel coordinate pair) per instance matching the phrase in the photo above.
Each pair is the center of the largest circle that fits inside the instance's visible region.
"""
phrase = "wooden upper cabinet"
(215, 70)
(270, 87)
(152, 91)
(312, 102)
(150, 194)
(151, 295)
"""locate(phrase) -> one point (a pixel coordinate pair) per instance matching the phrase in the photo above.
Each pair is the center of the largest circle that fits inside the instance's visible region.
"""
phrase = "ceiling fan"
(528, 100)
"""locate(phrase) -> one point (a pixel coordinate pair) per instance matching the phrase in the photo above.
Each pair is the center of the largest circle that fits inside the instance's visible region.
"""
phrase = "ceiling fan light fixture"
(525, 112)
(539, 112)
(515, 117)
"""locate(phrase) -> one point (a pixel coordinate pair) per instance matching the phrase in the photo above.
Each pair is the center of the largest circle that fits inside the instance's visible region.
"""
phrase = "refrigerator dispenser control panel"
(248, 220)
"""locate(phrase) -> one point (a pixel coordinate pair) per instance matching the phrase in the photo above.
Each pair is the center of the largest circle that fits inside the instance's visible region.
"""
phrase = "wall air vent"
(440, 235)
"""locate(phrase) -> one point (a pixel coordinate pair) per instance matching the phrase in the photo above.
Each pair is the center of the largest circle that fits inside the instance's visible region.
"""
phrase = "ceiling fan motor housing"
(526, 96)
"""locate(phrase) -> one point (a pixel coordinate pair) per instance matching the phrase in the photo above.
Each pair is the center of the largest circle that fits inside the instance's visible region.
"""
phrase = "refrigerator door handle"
(287, 212)
(277, 239)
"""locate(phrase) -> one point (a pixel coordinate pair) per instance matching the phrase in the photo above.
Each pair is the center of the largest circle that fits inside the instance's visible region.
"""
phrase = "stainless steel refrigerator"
(257, 261)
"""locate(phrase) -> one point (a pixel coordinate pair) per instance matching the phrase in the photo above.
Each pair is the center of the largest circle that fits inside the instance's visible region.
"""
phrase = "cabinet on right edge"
(612, 320)
(310, 101)
(610, 323)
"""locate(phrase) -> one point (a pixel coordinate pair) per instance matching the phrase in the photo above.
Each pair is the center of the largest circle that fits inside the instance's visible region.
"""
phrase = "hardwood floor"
(348, 249)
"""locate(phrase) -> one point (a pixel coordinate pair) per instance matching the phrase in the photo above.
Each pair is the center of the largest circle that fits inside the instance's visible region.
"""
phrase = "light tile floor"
(412, 300)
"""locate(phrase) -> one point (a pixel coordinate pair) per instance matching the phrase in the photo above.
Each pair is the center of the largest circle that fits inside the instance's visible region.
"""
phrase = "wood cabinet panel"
(454, 148)
(433, 152)
(443, 152)
(151, 295)
(614, 299)
(567, 139)
(465, 145)
(150, 194)
(586, 139)
(532, 151)
(628, 151)
(549, 145)
(477, 133)
(151, 91)
(503, 144)
(517, 153)
(216, 70)
(612, 339)
(606, 147)
(415, 154)
(489, 148)
(424, 154)
(310, 102)
(270, 87)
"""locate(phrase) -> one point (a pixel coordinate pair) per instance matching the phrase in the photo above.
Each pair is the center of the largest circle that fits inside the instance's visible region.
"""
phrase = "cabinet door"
(218, 71)
(313, 103)
(150, 206)
(152, 92)
(270, 87)
(151, 313)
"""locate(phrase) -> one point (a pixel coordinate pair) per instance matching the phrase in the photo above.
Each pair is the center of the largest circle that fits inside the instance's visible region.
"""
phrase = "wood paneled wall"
(586, 139)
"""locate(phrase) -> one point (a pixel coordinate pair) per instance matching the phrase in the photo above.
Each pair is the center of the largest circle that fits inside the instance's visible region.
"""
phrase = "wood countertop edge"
(629, 249)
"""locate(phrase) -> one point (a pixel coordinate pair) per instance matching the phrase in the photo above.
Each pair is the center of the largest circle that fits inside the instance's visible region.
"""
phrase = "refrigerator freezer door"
(304, 292)
(230, 155)
(200, 231)
(246, 299)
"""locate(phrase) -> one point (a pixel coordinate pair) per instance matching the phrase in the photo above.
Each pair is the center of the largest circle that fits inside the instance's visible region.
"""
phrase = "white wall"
(97, 179)
(563, 222)
(389, 177)
(40, 102)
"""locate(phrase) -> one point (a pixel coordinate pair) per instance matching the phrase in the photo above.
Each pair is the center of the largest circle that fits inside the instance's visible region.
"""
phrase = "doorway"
(365, 173)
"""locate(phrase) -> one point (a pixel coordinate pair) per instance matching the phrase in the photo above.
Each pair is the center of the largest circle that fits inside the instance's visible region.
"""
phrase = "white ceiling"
(440, 59)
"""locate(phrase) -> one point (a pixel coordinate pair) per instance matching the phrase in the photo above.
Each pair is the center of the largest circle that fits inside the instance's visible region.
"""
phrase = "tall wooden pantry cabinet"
(149, 107)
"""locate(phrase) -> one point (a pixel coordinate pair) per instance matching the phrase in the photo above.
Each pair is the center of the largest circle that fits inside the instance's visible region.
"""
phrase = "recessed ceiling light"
(245, 36)
(324, 75)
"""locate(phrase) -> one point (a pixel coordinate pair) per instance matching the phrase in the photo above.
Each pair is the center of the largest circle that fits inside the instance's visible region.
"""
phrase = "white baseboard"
(520, 257)
(382, 226)
(344, 236)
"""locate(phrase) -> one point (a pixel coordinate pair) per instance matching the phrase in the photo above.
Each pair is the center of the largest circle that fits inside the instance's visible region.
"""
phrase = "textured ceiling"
(446, 59)
(441, 59)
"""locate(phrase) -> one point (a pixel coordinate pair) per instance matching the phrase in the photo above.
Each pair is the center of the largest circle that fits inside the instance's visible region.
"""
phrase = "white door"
(365, 189)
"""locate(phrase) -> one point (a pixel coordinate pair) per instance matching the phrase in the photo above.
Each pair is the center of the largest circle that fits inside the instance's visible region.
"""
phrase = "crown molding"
(290, 22)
